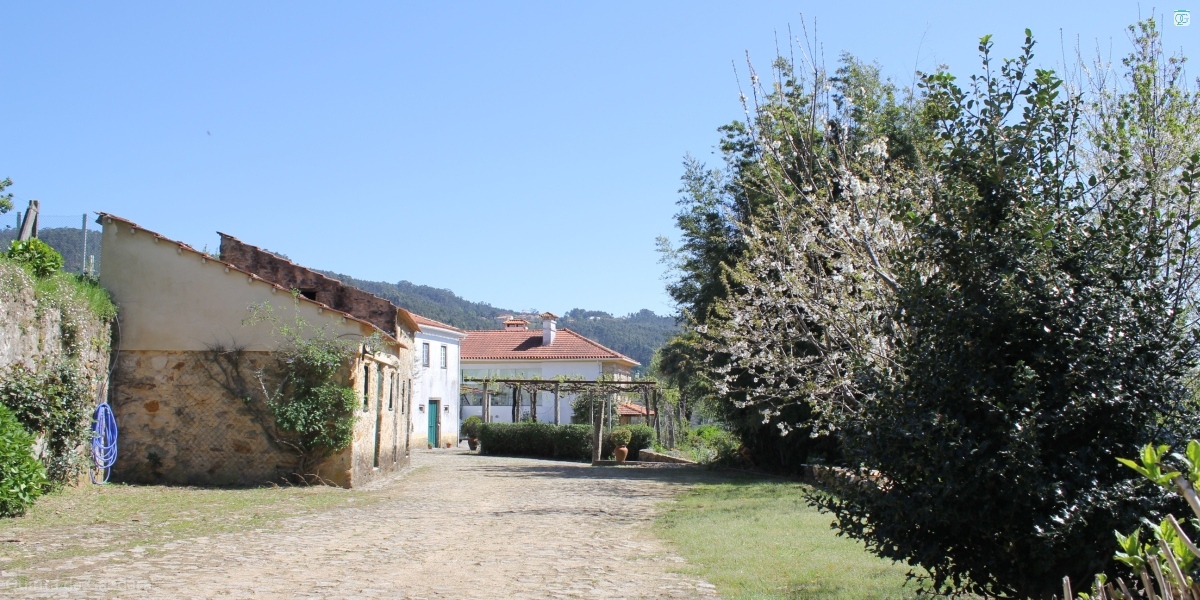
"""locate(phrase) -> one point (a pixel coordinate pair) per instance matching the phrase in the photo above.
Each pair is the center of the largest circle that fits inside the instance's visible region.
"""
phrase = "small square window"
(425, 354)
(443, 357)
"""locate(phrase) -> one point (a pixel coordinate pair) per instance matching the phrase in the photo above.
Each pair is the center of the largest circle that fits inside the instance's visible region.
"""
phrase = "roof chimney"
(549, 328)
(516, 325)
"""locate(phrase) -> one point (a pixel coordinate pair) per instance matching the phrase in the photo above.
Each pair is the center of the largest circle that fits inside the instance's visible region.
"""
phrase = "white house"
(435, 415)
(516, 352)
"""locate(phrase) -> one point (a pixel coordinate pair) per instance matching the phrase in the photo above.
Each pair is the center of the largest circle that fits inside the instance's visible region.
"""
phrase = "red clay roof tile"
(527, 345)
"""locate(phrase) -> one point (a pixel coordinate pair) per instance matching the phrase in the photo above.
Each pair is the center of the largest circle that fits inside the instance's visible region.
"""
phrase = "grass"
(92, 519)
(758, 539)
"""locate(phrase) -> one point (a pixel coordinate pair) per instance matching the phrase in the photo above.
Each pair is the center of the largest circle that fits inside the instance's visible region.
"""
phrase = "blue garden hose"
(104, 442)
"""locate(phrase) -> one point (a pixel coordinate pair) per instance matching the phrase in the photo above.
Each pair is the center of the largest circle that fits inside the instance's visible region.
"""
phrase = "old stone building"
(194, 371)
(436, 377)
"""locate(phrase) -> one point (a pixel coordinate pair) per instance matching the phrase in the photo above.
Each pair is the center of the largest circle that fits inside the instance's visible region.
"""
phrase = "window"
(366, 387)
(379, 382)
(392, 392)
(424, 354)
(443, 357)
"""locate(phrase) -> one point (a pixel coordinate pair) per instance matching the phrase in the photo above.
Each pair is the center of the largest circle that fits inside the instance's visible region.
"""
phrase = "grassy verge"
(90, 519)
(759, 539)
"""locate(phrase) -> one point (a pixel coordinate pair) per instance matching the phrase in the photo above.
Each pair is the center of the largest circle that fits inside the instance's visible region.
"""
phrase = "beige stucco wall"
(177, 299)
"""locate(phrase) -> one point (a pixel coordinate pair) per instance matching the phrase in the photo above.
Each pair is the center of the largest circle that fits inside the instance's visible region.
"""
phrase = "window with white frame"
(424, 354)
(443, 359)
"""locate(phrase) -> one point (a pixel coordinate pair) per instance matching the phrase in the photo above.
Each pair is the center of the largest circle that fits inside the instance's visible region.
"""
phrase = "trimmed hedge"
(572, 442)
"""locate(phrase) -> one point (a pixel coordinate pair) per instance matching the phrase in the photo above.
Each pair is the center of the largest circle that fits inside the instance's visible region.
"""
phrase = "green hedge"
(572, 442)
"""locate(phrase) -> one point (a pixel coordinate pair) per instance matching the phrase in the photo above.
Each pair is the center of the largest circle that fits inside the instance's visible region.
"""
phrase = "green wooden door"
(433, 423)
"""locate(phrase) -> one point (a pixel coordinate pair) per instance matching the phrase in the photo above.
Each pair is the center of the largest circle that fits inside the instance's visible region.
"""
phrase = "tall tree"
(1040, 338)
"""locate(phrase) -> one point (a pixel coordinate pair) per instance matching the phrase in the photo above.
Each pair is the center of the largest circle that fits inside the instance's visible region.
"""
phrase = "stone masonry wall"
(31, 335)
(178, 423)
(181, 423)
(326, 290)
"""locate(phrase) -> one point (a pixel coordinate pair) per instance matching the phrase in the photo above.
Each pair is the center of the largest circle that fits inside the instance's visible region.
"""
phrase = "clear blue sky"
(524, 155)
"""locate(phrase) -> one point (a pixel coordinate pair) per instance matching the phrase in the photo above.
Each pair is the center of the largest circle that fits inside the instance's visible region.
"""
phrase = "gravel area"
(457, 525)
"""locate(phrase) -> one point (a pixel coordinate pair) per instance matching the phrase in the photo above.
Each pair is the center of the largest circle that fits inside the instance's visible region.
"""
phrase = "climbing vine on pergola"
(602, 388)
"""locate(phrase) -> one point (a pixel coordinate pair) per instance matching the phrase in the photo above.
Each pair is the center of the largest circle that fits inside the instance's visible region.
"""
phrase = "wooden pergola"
(605, 388)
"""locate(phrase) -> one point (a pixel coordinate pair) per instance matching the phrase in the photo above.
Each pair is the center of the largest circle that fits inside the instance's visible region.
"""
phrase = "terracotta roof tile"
(430, 322)
(632, 410)
(527, 345)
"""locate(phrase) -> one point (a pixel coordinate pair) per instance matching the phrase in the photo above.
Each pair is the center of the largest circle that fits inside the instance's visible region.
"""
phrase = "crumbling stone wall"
(315, 286)
(33, 335)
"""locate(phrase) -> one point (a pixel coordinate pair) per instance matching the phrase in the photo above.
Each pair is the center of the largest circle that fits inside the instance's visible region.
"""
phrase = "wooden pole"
(654, 402)
(29, 225)
(556, 405)
(487, 403)
(533, 404)
(597, 428)
(516, 403)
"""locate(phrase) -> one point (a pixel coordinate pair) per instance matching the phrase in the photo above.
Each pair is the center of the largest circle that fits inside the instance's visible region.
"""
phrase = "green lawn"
(760, 539)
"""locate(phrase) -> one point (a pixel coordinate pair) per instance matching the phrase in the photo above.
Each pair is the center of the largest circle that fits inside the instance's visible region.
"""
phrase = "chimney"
(516, 325)
(549, 328)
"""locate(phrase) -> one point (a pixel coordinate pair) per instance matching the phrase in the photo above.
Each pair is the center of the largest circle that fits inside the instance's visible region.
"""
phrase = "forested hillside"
(636, 335)
(68, 241)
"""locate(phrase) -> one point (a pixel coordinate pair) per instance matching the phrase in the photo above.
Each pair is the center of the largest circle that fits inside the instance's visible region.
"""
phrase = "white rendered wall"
(549, 369)
(434, 382)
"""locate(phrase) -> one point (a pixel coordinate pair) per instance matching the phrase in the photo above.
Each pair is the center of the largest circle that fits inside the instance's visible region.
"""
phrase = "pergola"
(605, 388)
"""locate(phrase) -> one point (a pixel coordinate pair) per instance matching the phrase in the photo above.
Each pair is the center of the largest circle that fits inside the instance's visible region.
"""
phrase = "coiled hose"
(104, 442)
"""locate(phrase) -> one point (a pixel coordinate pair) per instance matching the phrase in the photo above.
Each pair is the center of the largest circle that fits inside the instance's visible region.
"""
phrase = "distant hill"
(68, 241)
(636, 335)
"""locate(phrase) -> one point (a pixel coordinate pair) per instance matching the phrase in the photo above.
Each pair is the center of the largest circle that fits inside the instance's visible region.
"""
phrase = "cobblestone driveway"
(465, 527)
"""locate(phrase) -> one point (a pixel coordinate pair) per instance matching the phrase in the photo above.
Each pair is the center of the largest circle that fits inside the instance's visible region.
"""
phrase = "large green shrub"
(53, 401)
(571, 442)
(37, 255)
(470, 426)
(22, 477)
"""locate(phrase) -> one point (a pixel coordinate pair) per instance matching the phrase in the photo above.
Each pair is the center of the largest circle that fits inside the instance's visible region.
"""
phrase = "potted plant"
(470, 428)
(620, 440)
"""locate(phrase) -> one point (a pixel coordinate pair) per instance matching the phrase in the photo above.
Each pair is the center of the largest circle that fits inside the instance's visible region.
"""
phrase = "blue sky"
(522, 154)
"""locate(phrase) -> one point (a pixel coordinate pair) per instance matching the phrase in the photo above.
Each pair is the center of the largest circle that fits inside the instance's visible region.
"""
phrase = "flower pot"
(473, 443)
(621, 453)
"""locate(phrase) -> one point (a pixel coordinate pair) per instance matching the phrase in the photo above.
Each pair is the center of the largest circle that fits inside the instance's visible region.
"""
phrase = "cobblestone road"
(464, 527)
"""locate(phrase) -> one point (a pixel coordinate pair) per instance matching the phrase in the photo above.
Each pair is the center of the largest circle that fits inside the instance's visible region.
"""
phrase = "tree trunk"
(533, 405)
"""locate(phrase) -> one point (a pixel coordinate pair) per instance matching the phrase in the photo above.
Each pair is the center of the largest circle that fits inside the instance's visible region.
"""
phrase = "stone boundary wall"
(31, 335)
(35, 336)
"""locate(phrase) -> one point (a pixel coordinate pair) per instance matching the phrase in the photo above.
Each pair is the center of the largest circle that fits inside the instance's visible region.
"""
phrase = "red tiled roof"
(632, 410)
(527, 345)
(430, 322)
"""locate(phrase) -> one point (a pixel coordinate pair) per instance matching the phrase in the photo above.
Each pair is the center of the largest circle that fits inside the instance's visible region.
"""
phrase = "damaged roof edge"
(183, 246)
(405, 317)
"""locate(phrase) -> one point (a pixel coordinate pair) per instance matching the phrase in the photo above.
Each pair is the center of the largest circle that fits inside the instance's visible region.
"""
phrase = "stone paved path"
(464, 527)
